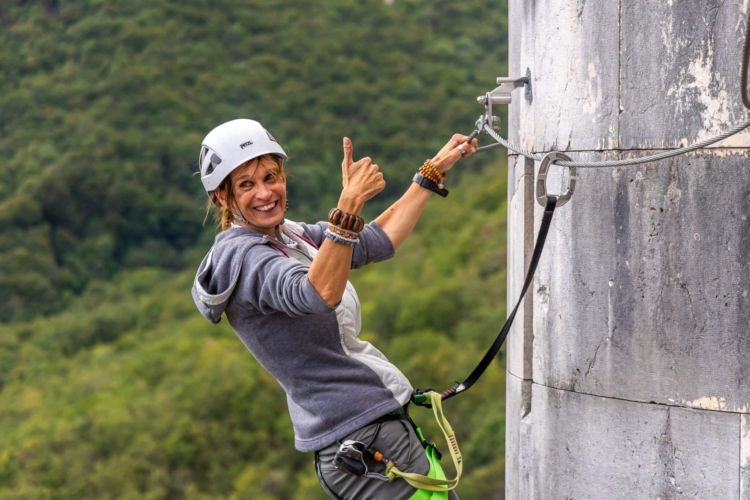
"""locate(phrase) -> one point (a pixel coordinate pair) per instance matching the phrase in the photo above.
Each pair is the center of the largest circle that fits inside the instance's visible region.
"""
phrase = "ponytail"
(222, 217)
(226, 218)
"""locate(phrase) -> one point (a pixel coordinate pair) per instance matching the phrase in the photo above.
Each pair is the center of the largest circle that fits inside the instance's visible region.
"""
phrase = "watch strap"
(428, 184)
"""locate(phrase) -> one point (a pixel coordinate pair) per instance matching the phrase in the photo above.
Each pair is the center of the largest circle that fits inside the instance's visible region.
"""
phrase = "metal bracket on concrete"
(501, 95)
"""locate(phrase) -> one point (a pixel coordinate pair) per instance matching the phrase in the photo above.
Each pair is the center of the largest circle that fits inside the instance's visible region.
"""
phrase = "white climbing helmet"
(230, 145)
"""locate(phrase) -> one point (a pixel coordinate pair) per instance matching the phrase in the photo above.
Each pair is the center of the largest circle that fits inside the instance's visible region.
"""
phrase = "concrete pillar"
(629, 368)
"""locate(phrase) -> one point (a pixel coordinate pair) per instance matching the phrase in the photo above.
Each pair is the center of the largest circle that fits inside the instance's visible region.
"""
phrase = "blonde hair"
(223, 217)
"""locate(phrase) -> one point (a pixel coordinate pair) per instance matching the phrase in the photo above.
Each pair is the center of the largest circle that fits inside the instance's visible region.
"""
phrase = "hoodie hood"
(220, 270)
(218, 273)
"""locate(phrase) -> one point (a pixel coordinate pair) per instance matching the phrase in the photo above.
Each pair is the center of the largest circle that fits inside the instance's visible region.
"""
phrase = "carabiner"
(541, 180)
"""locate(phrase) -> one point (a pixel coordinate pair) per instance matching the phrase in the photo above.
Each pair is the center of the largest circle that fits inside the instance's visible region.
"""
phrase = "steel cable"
(613, 163)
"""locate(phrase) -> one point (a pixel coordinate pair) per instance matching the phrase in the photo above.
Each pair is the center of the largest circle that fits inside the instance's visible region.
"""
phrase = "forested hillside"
(103, 105)
(131, 394)
(111, 384)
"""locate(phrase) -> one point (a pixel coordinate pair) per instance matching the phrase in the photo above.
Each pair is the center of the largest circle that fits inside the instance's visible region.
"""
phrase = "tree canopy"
(103, 106)
(130, 393)
(112, 386)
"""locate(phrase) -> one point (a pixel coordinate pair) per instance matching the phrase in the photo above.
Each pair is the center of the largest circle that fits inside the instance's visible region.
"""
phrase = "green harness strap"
(436, 472)
(438, 483)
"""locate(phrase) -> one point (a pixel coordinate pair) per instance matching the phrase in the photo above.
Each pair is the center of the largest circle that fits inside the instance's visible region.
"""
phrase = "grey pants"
(398, 442)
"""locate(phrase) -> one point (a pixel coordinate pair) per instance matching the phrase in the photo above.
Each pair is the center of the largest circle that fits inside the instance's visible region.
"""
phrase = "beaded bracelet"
(346, 221)
(340, 239)
(429, 171)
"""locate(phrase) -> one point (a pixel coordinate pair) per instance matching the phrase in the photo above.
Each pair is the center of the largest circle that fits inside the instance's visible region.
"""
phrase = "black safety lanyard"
(460, 387)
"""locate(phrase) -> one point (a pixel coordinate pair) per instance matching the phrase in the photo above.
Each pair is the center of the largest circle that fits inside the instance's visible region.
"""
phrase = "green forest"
(112, 386)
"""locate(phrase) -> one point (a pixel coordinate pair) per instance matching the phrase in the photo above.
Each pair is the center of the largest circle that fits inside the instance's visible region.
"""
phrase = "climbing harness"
(350, 458)
(351, 455)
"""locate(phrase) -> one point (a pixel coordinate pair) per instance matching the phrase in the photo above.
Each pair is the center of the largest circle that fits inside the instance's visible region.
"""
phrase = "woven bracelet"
(340, 239)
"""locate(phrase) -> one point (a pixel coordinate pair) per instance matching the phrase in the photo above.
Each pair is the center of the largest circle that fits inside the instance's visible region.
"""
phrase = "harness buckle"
(429, 444)
(541, 180)
(419, 397)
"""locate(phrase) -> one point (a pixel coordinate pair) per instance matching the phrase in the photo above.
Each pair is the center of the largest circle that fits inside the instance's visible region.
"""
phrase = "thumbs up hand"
(347, 161)
(361, 179)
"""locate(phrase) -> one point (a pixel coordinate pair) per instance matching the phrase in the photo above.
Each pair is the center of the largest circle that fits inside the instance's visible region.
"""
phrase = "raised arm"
(329, 271)
(399, 219)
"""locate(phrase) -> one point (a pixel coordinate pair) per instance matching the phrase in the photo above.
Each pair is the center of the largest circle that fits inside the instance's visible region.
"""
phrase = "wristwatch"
(427, 183)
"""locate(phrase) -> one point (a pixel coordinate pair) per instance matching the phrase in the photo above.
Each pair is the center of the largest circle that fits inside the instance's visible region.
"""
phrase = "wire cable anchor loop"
(541, 180)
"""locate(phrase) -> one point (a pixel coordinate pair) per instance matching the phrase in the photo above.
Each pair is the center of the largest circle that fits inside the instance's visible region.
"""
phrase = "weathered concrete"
(680, 72)
(570, 48)
(520, 236)
(644, 289)
(518, 445)
(587, 447)
(628, 371)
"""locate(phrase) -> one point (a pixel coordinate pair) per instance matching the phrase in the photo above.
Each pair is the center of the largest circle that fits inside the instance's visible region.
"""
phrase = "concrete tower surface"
(629, 365)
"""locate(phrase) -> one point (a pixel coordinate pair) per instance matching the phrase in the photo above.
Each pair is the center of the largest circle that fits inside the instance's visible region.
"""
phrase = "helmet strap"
(238, 215)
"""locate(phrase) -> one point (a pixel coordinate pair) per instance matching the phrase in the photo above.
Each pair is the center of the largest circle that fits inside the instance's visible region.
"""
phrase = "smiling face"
(259, 192)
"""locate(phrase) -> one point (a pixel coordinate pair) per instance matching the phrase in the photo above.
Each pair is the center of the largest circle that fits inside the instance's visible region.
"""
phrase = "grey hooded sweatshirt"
(335, 383)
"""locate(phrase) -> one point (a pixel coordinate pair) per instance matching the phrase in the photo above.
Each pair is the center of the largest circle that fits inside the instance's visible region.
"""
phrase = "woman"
(284, 289)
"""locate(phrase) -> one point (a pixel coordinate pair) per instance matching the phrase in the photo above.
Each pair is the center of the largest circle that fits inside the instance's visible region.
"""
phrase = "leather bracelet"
(346, 221)
(343, 232)
(428, 184)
